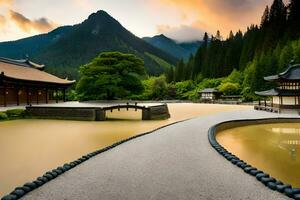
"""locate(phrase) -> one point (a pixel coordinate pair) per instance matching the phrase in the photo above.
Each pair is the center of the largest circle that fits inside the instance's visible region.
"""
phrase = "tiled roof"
(28, 71)
(291, 74)
(209, 90)
(279, 92)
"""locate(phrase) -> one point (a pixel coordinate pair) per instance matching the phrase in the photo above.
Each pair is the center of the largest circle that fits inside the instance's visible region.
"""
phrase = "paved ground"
(176, 162)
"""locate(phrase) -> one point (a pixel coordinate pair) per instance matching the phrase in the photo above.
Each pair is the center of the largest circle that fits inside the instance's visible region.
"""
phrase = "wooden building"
(210, 95)
(23, 82)
(287, 93)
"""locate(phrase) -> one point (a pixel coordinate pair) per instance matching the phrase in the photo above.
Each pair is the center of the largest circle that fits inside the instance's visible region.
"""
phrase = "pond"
(272, 148)
(29, 148)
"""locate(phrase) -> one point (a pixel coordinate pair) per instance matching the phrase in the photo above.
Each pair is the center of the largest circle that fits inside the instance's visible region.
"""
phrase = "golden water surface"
(29, 148)
(273, 148)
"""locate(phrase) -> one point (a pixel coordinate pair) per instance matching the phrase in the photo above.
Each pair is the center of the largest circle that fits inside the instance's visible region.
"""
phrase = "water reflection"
(273, 148)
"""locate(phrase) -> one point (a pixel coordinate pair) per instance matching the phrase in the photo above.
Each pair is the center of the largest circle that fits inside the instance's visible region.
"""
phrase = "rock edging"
(266, 179)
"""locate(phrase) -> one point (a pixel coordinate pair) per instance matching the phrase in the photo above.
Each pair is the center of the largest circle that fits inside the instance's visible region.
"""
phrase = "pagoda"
(287, 93)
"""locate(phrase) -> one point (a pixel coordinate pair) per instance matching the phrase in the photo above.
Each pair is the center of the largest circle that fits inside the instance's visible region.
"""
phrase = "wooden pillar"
(56, 97)
(27, 96)
(272, 103)
(64, 93)
(4, 96)
(259, 103)
(18, 97)
(265, 103)
(46, 96)
(37, 96)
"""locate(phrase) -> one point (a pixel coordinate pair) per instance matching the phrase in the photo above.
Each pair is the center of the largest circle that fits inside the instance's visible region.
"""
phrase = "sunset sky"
(179, 19)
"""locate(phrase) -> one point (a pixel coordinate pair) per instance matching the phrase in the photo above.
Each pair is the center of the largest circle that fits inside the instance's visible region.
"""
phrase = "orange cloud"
(2, 20)
(5, 2)
(223, 15)
(27, 25)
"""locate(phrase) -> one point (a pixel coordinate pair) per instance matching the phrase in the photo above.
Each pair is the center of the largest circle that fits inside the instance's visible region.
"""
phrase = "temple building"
(23, 82)
(210, 95)
(287, 93)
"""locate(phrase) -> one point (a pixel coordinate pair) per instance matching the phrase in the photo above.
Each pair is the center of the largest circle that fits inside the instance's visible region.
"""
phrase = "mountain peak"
(100, 15)
(162, 36)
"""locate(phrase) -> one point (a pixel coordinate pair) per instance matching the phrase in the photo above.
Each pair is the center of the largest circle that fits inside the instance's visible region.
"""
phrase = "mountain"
(32, 45)
(66, 48)
(178, 50)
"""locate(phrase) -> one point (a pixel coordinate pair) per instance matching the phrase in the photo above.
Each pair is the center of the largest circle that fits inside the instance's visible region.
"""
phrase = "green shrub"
(230, 88)
(16, 114)
(183, 88)
(3, 116)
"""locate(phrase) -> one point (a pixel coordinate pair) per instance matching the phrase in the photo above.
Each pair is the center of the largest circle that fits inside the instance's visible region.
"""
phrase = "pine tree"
(200, 57)
(276, 25)
(170, 75)
(218, 35)
(179, 72)
(294, 19)
(265, 18)
(188, 70)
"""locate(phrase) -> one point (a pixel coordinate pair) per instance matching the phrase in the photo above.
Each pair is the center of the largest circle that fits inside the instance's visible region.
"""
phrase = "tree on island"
(111, 75)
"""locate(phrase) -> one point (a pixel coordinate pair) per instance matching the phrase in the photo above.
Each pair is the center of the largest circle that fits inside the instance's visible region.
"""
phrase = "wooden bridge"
(95, 112)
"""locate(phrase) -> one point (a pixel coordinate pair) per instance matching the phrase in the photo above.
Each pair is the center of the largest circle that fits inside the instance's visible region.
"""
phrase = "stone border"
(266, 179)
(20, 191)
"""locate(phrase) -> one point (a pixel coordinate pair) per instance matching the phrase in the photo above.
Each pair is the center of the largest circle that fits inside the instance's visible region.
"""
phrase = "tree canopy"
(111, 75)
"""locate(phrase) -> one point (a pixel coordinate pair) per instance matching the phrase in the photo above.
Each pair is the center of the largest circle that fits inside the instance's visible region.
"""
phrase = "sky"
(182, 20)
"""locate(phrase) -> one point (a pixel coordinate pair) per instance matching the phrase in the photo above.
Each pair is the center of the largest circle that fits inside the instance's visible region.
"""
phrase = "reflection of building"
(288, 140)
(210, 95)
(24, 82)
(287, 94)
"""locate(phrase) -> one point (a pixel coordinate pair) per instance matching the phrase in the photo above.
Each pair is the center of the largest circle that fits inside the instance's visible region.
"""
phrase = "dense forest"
(244, 58)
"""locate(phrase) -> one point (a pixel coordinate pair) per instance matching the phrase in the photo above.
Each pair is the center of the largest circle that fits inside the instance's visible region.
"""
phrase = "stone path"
(173, 163)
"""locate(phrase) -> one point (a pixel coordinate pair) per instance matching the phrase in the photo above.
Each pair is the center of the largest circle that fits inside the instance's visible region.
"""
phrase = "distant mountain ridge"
(176, 49)
(31, 45)
(66, 48)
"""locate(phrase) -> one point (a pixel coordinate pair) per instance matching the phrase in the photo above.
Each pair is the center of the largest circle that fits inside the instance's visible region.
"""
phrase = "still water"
(273, 148)
(29, 148)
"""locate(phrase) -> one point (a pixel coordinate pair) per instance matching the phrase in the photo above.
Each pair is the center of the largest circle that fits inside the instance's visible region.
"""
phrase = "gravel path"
(175, 162)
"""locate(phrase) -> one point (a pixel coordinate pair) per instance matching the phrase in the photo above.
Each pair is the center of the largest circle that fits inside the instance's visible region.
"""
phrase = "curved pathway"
(176, 162)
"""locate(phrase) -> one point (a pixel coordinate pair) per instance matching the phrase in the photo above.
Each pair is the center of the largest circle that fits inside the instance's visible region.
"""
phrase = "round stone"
(281, 188)
(234, 161)
(54, 173)
(259, 176)
(38, 183)
(288, 192)
(10, 197)
(43, 179)
(248, 169)
(31, 185)
(48, 176)
(297, 196)
(66, 167)
(26, 189)
(296, 190)
(254, 172)
(272, 185)
(18, 192)
(60, 168)
(266, 180)
(58, 171)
